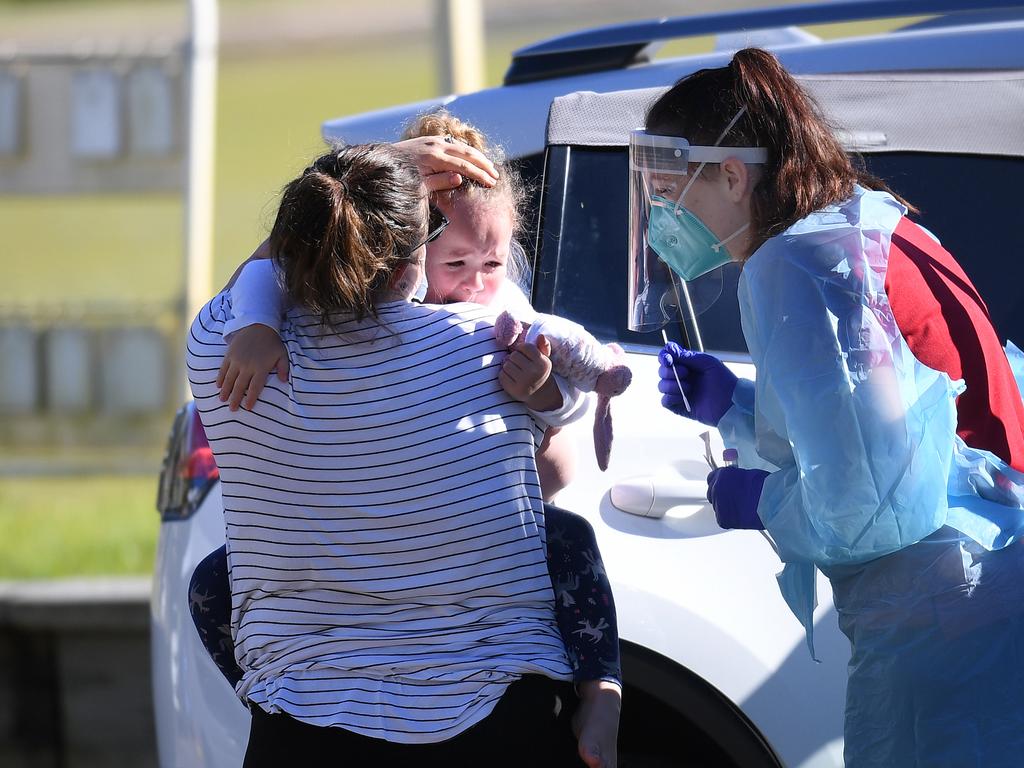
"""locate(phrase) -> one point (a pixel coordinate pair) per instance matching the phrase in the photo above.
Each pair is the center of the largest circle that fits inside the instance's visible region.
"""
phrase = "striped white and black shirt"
(384, 522)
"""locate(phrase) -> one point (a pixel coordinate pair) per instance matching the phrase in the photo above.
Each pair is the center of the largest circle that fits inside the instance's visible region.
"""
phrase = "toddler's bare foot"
(596, 723)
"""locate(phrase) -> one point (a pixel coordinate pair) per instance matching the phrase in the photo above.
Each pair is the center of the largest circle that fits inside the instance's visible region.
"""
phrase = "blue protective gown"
(870, 483)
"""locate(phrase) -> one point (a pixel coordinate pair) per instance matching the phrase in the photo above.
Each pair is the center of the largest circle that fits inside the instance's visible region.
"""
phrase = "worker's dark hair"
(344, 226)
(807, 167)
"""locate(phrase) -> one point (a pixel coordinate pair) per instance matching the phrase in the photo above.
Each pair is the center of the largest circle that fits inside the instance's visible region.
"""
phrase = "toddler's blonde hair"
(511, 190)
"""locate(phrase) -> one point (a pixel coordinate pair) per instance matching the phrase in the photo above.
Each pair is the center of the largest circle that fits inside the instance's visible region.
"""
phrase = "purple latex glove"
(734, 493)
(707, 383)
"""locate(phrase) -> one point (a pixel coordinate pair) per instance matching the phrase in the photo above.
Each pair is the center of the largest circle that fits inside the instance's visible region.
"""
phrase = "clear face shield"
(675, 260)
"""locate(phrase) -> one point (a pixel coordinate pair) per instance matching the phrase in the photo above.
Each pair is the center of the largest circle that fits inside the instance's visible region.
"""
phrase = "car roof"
(620, 45)
(947, 112)
(515, 116)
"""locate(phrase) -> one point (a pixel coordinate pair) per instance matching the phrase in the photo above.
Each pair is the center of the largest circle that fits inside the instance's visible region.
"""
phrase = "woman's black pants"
(528, 728)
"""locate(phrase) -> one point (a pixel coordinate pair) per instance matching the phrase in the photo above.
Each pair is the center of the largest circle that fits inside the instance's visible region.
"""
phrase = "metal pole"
(201, 134)
(459, 28)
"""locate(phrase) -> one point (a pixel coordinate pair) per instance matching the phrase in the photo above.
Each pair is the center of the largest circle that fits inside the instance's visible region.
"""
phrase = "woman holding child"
(440, 643)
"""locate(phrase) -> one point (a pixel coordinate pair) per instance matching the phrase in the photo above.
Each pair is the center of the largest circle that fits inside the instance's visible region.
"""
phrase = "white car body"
(698, 607)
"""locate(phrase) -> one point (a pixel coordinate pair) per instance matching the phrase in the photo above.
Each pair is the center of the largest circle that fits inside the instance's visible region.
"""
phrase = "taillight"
(189, 469)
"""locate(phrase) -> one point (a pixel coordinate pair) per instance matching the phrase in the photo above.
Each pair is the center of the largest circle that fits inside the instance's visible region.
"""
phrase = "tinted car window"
(531, 170)
(966, 201)
(972, 204)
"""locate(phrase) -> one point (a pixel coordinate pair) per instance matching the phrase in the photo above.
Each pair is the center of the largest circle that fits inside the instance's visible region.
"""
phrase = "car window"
(531, 170)
(966, 201)
(971, 203)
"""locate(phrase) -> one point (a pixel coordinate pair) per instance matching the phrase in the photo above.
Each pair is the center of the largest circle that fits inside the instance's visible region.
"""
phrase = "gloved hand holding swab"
(696, 385)
(671, 363)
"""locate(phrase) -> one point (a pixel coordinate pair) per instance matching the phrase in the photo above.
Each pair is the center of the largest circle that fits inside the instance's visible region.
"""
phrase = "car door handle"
(654, 495)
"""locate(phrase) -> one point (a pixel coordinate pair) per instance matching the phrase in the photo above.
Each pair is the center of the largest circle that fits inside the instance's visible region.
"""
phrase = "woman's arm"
(737, 428)
(446, 164)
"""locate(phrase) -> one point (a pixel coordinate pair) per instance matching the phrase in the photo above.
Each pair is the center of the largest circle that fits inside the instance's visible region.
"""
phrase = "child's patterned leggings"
(584, 606)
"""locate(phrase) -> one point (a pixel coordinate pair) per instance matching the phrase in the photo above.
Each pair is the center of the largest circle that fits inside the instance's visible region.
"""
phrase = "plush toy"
(580, 359)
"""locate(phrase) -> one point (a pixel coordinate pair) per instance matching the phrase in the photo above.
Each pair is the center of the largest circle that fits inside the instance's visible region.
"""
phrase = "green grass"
(73, 526)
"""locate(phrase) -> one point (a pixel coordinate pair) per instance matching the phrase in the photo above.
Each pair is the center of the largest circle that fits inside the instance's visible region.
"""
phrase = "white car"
(716, 668)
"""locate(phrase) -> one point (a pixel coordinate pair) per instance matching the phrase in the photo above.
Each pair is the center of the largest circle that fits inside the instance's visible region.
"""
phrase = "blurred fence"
(92, 387)
(87, 387)
(88, 118)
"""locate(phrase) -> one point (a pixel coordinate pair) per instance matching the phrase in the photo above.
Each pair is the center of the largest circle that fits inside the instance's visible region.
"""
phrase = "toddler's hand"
(253, 353)
(526, 376)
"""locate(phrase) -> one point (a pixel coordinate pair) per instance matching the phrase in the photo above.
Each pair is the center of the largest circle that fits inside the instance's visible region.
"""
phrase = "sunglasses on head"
(437, 223)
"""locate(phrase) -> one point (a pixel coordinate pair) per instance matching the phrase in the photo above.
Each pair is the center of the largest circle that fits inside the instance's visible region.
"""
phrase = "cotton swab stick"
(685, 401)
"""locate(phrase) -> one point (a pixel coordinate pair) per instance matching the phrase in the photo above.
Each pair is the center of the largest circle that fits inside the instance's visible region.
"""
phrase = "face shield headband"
(666, 239)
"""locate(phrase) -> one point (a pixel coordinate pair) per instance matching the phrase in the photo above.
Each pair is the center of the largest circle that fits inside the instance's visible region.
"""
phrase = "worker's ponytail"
(807, 167)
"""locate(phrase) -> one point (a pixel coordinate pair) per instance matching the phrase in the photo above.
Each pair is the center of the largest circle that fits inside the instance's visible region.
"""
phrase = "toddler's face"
(469, 261)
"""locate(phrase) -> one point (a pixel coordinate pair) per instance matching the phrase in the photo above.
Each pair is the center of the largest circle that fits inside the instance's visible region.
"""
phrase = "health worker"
(883, 439)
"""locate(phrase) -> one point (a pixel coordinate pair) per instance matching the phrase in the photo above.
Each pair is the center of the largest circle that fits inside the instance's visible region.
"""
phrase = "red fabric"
(947, 326)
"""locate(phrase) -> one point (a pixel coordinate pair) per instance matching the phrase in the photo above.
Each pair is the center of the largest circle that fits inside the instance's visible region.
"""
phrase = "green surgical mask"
(680, 238)
(683, 241)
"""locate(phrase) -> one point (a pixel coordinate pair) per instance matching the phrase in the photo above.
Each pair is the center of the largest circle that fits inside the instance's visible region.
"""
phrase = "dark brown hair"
(345, 225)
(807, 167)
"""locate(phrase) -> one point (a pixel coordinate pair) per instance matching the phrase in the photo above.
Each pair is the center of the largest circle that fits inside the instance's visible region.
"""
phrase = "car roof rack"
(622, 45)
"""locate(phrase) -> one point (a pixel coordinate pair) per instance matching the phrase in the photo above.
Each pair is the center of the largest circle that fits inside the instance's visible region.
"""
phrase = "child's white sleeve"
(256, 297)
(574, 406)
